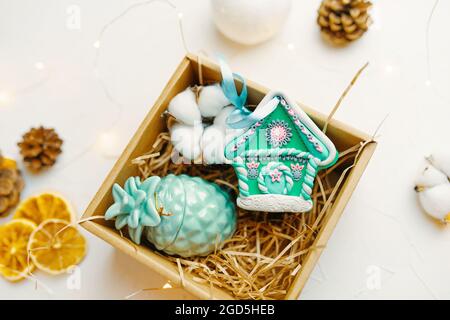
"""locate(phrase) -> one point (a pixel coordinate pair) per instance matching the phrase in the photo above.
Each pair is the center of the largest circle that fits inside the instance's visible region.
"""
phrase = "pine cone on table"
(343, 21)
(40, 147)
(11, 184)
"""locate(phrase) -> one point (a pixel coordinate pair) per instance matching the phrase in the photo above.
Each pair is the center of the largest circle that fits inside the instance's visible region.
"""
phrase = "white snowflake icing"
(278, 133)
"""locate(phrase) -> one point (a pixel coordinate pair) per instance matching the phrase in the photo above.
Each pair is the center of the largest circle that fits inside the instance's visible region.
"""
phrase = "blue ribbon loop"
(241, 117)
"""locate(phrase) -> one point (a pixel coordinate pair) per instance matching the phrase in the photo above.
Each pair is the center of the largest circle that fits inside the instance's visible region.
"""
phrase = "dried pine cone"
(40, 147)
(11, 184)
(343, 21)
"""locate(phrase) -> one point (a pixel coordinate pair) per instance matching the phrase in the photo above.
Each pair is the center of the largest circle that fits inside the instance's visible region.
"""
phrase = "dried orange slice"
(43, 207)
(7, 163)
(14, 261)
(55, 246)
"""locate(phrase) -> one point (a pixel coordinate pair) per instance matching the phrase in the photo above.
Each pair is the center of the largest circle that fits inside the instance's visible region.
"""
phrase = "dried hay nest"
(267, 250)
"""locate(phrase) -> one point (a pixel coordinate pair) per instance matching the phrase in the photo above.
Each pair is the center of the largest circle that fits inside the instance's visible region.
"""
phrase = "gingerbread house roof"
(317, 143)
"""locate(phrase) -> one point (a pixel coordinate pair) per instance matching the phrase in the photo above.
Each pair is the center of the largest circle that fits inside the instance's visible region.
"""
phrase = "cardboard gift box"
(187, 74)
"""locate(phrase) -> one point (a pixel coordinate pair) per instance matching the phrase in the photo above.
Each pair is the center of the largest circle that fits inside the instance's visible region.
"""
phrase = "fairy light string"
(427, 42)
(98, 43)
(107, 139)
(7, 97)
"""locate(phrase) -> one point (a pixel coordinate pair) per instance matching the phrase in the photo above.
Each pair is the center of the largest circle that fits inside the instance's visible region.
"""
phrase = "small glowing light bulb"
(167, 286)
(5, 97)
(107, 144)
(428, 83)
(97, 44)
(389, 68)
(291, 46)
(180, 15)
(39, 65)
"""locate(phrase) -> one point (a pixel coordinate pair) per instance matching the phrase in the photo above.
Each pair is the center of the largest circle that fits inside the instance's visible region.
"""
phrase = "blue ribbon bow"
(241, 117)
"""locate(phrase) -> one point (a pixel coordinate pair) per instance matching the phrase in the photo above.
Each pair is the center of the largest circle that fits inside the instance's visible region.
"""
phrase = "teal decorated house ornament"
(180, 215)
(278, 156)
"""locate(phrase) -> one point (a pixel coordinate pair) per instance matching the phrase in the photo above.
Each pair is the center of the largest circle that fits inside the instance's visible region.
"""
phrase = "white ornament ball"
(211, 100)
(250, 22)
(433, 188)
(184, 107)
(186, 140)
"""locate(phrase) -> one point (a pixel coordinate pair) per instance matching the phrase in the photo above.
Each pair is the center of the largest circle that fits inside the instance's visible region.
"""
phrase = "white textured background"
(97, 107)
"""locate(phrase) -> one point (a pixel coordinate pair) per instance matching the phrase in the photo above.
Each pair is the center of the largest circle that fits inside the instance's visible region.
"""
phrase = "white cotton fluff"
(430, 177)
(436, 201)
(221, 118)
(211, 100)
(186, 140)
(213, 145)
(184, 107)
(441, 161)
(220, 121)
(433, 189)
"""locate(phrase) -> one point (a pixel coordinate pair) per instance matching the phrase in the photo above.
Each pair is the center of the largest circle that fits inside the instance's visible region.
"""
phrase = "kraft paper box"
(186, 75)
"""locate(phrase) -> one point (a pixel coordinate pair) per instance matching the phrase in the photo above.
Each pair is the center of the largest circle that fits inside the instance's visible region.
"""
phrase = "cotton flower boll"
(430, 177)
(441, 161)
(186, 140)
(436, 201)
(221, 119)
(184, 107)
(213, 145)
(211, 100)
(433, 188)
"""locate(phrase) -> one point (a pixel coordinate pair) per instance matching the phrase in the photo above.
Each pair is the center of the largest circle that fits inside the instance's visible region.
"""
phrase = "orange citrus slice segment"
(44, 207)
(55, 246)
(14, 261)
(7, 163)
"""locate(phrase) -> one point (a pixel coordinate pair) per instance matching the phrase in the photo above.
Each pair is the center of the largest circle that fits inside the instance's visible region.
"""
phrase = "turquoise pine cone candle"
(180, 215)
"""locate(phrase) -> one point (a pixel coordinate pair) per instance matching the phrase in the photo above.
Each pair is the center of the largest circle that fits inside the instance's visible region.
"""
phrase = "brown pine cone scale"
(40, 148)
(343, 21)
(11, 184)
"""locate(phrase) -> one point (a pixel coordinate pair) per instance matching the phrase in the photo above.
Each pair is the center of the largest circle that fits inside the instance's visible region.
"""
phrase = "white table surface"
(383, 246)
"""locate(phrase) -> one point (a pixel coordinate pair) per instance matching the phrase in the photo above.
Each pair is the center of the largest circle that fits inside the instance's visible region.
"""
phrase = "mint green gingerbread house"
(277, 158)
